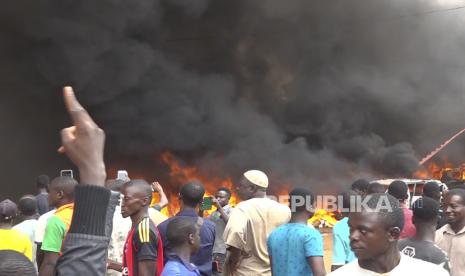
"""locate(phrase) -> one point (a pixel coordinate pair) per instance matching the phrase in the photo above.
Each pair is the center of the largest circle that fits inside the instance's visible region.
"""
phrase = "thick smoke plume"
(312, 92)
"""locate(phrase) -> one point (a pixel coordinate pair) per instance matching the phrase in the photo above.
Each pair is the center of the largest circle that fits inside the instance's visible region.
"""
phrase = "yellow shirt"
(11, 239)
(248, 227)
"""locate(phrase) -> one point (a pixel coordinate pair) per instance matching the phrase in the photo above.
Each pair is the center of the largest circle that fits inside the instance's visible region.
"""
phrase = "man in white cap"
(249, 226)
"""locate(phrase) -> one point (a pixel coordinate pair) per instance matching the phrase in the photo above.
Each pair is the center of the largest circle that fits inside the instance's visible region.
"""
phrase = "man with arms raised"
(451, 237)
(249, 225)
(374, 234)
(143, 250)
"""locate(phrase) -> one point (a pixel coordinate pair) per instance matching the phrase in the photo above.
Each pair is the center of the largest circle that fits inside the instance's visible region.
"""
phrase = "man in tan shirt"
(249, 226)
(451, 237)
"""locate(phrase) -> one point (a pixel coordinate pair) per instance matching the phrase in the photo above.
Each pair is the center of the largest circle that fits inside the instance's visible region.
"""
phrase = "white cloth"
(28, 228)
(41, 224)
(406, 266)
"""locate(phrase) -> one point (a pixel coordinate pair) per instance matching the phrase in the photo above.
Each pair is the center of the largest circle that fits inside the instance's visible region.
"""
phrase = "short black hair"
(298, 194)
(398, 189)
(142, 185)
(226, 190)
(66, 184)
(42, 181)
(192, 193)
(178, 230)
(393, 216)
(13, 263)
(425, 209)
(430, 188)
(27, 205)
(458, 192)
(360, 184)
(376, 187)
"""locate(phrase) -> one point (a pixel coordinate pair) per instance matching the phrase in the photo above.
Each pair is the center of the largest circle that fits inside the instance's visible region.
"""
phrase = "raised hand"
(83, 142)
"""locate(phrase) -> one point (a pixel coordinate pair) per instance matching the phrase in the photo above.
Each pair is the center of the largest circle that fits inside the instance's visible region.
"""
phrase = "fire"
(180, 174)
(444, 169)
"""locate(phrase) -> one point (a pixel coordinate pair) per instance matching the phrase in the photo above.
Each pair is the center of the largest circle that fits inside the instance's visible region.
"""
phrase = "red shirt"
(409, 229)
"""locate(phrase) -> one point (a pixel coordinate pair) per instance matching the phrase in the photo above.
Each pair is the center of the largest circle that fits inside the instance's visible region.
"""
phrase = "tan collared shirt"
(454, 245)
(249, 225)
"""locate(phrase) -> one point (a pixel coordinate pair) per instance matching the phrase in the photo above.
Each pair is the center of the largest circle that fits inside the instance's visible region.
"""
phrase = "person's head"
(301, 202)
(61, 191)
(347, 197)
(137, 195)
(223, 195)
(116, 185)
(432, 190)
(191, 194)
(375, 188)
(454, 206)
(399, 190)
(42, 182)
(425, 212)
(27, 205)
(252, 184)
(360, 186)
(183, 232)
(8, 211)
(376, 229)
(13, 263)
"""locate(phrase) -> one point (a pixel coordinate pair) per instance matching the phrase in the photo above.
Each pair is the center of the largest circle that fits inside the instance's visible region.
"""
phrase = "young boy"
(184, 240)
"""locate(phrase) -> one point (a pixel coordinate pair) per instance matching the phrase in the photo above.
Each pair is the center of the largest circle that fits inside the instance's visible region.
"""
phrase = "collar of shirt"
(66, 206)
(187, 213)
(449, 230)
(174, 257)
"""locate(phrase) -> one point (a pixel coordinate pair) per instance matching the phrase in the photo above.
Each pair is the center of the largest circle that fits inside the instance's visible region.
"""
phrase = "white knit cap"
(257, 177)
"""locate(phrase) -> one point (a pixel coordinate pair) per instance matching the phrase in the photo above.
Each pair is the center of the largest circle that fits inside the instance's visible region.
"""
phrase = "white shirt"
(406, 266)
(41, 224)
(28, 228)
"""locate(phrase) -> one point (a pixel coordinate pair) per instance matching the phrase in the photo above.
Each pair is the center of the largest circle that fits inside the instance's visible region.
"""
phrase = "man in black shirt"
(421, 246)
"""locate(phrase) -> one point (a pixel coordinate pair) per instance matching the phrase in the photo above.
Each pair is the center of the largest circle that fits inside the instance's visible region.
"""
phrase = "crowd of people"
(114, 227)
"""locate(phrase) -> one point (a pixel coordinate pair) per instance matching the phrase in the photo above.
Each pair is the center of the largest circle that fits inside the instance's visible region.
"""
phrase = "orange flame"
(440, 170)
(180, 174)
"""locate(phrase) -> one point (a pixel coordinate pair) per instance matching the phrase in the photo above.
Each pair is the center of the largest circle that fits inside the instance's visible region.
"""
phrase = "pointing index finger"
(77, 113)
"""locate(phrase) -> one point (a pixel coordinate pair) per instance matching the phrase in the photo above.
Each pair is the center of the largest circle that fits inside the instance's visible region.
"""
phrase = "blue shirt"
(203, 258)
(289, 245)
(342, 254)
(177, 267)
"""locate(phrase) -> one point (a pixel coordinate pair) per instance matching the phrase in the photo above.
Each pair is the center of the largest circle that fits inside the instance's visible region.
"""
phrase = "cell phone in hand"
(122, 175)
(67, 173)
(207, 203)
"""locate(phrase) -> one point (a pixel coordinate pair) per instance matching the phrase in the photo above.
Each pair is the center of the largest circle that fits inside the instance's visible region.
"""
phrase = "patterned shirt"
(289, 247)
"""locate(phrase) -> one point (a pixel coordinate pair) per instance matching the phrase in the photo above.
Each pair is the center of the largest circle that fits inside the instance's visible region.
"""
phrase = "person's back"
(342, 254)
(256, 218)
(11, 239)
(13, 263)
(399, 190)
(421, 246)
(290, 245)
(424, 250)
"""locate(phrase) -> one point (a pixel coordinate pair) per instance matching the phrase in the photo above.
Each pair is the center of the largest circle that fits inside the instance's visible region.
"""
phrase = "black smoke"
(312, 92)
